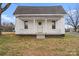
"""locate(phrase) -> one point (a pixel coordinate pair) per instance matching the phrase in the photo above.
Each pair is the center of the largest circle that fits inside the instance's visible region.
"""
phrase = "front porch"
(39, 25)
(39, 19)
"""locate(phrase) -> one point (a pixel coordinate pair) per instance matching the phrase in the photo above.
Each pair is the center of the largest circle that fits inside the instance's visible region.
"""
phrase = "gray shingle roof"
(39, 10)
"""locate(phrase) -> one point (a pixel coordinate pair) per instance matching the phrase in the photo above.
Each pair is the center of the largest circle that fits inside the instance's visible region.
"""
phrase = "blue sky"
(8, 16)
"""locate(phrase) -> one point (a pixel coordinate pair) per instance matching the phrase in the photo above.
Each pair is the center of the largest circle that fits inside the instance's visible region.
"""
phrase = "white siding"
(32, 27)
(61, 26)
(19, 28)
(60, 29)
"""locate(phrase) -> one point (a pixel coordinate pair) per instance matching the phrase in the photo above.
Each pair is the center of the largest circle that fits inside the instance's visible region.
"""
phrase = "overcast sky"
(8, 16)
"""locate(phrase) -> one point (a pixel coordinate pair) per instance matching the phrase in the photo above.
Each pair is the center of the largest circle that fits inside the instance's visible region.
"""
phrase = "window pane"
(53, 24)
(25, 24)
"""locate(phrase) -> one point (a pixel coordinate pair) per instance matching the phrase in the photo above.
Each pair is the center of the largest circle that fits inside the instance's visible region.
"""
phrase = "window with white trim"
(25, 24)
(53, 25)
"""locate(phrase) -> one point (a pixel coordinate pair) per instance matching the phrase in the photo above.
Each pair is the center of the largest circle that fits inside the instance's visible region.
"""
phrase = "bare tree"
(1, 11)
(8, 27)
(73, 18)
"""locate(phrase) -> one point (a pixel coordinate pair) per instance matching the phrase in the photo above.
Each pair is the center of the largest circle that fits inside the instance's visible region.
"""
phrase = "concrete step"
(40, 36)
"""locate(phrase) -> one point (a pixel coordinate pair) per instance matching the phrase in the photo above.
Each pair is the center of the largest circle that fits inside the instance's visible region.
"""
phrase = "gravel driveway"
(73, 33)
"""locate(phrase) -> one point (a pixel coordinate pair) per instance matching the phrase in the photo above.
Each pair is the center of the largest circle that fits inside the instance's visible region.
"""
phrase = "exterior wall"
(60, 29)
(47, 27)
(19, 28)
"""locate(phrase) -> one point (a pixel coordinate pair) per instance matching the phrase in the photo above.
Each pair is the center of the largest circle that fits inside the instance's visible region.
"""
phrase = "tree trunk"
(0, 24)
(75, 29)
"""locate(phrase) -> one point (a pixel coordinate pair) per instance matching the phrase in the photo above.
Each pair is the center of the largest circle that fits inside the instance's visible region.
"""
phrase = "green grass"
(26, 45)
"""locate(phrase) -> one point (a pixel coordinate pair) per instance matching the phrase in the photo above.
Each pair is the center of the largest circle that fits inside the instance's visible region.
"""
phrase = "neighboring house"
(8, 27)
(40, 20)
(71, 30)
(67, 29)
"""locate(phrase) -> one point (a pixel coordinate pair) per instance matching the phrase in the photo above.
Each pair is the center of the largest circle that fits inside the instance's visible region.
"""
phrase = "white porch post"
(34, 26)
(45, 25)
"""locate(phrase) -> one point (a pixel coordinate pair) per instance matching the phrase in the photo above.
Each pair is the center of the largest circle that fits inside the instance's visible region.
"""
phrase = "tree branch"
(0, 5)
(71, 19)
(5, 8)
(77, 18)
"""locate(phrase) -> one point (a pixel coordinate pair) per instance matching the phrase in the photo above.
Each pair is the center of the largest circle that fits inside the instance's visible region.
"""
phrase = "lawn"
(13, 45)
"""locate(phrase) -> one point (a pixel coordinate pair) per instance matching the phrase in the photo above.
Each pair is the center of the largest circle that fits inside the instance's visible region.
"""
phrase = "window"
(53, 24)
(25, 24)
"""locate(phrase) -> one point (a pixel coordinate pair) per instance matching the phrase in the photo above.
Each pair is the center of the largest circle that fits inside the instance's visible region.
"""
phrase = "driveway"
(73, 33)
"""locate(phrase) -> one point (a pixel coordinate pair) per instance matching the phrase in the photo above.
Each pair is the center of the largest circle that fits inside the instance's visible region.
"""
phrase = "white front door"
(39, 26)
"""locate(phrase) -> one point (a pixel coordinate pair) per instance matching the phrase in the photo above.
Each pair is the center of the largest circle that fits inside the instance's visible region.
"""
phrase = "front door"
(40, 27)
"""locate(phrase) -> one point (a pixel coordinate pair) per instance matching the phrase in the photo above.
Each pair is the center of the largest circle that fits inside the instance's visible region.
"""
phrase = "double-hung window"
(25, 24)
(53, 25)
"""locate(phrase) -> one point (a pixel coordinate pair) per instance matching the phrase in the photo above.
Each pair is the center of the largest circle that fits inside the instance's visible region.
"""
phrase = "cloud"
(6, 18)
(68, 26)
(72, 11)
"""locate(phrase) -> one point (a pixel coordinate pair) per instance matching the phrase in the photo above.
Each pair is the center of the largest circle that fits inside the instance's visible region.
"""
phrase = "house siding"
(59, 27)
(47, 28)
(19, 28)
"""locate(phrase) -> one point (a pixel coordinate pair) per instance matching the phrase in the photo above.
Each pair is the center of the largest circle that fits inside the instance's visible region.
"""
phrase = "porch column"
(45, 25)
(34, 26)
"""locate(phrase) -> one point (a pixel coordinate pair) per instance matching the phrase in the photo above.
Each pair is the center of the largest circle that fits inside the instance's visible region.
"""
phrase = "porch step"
(40, 36)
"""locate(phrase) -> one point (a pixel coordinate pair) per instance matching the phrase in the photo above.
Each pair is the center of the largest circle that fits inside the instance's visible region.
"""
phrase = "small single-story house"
(39, 20)
(72, 30)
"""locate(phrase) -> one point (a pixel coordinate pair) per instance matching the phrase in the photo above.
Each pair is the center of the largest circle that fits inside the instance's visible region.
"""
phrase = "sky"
(8, 16)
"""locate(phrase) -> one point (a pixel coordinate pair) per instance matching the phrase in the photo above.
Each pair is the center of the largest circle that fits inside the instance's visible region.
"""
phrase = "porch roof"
(39, 10)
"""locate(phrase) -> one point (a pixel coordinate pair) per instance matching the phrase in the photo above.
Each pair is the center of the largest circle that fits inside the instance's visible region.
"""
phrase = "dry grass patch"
(5, 33)
(26, 45)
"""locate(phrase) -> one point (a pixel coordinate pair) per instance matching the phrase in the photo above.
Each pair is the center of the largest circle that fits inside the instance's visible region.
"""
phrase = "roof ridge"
(42, 6)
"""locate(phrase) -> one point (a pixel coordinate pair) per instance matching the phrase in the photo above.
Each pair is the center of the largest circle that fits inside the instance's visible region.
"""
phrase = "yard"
(26, 45)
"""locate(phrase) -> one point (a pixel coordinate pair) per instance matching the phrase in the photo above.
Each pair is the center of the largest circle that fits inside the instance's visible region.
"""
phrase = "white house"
(39, 20)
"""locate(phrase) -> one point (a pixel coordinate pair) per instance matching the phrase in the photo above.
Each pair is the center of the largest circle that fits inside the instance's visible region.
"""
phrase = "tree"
(8, 27)
(2, 10)
(73, 18)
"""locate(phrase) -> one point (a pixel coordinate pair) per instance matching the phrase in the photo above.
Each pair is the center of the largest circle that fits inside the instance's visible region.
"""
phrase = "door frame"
(40, 26)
